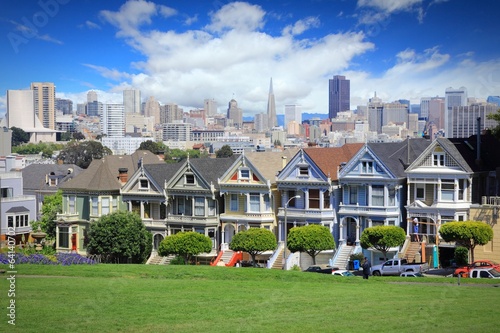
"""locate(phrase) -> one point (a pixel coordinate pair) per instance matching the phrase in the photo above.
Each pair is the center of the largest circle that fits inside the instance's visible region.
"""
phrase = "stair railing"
(275, 255)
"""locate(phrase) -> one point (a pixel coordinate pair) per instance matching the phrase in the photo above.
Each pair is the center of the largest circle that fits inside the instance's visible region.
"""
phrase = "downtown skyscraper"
(339, 95)
(44, 94)
(272, 120)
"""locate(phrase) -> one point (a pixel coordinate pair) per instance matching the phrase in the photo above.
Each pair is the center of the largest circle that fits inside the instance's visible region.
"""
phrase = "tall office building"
(465, 119)
(453, 97)
(260, 121)
(210, 106)
(293, 112)
(424, 107)
(91, 96)
(152, 109)
(45, 98)
(375, 114)
(339, 95)
(235, 113)
(93, 107)
(170, 113)
(132, 101)
(64, 105)
(395, 113)
(113, 120)
(272, 120)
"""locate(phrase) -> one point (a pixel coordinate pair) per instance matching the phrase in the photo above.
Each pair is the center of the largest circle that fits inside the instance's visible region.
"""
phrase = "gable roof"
(330, 159)
(102, 174)
(489, 156)
(35, 175)
(211, 169)
(269, 163)
(397, 156)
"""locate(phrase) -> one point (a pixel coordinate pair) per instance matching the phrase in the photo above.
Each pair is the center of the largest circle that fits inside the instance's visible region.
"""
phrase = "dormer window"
(189, 179)
(245, 174)
(143, 184)
(367, 167)
(52, 179)
(438, 159)
(303, 171)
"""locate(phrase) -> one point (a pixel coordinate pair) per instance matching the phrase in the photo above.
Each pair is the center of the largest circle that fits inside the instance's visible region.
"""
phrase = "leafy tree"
(496, 117)
(311, 239)
(382, 238)
(224, 151)
(82, 153)
(52, 204)
(185, 244)
(78, 136)
(176, 155)
(253, 241)
(120, 237)
(461, 256)
(467, 234)
(46, 148)
(19, 136)
(152, 146)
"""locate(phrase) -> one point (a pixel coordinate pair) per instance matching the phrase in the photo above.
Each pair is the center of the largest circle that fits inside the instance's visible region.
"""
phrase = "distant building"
(132, 101)
(152, 109)
(44, 94)
(5, 141)
(235, 113)
(375, 114)
(170, 113)
(113, 120)
(210, 106)
(494, 100)
(464, 119)
(177, 132)
(453, 97)
(261, 122)
(339, 95)
(272, 120)
(64, 105)
(293, 112)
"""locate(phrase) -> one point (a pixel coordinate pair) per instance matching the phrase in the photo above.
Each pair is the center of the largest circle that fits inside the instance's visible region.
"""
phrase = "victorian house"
(93, 193)
(308, 186)
(373, 190)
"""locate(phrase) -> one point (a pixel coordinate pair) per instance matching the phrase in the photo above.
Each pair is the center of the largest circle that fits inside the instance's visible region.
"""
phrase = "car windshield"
(495, 273)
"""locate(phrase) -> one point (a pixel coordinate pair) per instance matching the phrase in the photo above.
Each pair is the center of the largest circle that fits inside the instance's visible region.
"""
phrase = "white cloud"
(112, 74)
(239, 16)
(381, 10)
(92, 25)
(50, 39)
(302, 25)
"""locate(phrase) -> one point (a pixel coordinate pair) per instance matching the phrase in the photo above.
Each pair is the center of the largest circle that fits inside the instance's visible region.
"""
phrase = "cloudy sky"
(186, 51)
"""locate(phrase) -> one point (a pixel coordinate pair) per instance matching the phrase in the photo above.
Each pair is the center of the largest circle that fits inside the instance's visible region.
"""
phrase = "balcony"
(368, 210)
(490, 201)
(248, 217)
(302, 213)
(184, 219)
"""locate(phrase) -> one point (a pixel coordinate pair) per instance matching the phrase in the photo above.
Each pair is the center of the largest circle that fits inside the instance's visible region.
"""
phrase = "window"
(143, 184)
(115, 204)
(211, 207)
(254, 202)
(367, 167)
(447, 189)
(10, 221)
(377, 195)
(180, 206)
(105, 206)
(163, 211)
(461, 189)
(18, 218)
(72, 204)
(188, 207)
(7, 192)
(313, 198)
(245, 174)
(353, 195)
(438, 159)
(199, 206)
(291, 194)
(95, 206)
(190, 179)
(303, 171)
(420, 191)
(267, 203)
(147, 210)
(326, 199)
(64, 237)
(392, 197)
(233, 204)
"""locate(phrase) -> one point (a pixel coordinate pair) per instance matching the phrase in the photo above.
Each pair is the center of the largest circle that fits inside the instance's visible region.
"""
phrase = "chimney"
(283, 161)
(478, 142)
(123, 175)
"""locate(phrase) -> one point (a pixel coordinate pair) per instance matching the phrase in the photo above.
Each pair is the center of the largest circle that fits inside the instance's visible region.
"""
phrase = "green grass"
(140, 298)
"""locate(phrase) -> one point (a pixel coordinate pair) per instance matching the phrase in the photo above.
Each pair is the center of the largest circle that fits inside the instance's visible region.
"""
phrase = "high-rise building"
(235, 113)
(375, 114)
(465, 119)
(339, 95)
(272, 120)
(395, 113)
(453, 97)
(261, 120)
(177, 132)
(91, 96)
(113, 120)
(210, 106)
(44, 94)
(93, 107)
(170, 112)
(152, 109)
(132, 101)
(64, 105)
(293, 112)
(436, 112)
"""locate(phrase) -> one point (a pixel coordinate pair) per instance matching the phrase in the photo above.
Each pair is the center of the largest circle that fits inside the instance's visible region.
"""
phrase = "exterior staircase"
(226, 256)
(156, 259)
(412, 250)
(278, 263)
(342, 259)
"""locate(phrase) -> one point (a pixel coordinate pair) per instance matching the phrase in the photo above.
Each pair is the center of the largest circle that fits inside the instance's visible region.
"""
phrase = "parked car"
(342, 272)
(411, 274)
(398, 266)
(465, 270)
(488, 273)
(249, 263)
(324, 269)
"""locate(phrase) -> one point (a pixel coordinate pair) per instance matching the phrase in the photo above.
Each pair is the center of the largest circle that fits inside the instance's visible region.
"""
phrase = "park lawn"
(143, 298)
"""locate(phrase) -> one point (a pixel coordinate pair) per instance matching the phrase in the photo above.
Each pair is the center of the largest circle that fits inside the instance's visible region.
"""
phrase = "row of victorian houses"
(346, 189)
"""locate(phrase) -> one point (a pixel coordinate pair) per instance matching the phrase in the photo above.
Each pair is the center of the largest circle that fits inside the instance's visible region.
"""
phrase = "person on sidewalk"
(367, 267)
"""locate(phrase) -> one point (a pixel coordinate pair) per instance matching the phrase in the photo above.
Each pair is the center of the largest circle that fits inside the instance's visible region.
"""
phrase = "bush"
(357, 256)
(461, 256)
(178, 260)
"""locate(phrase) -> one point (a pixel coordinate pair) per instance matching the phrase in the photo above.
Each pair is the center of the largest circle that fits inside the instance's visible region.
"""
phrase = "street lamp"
(284, 229)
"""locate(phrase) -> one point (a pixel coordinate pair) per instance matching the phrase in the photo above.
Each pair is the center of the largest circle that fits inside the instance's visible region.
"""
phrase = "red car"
(464, 270)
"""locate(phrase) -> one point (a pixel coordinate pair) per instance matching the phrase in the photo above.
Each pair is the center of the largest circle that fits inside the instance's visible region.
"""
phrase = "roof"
(17, 209)
(397, 156)
(269, 163)
(35, 175)
(102, 174)
(467, 147)
(330, 159)
(211, 169)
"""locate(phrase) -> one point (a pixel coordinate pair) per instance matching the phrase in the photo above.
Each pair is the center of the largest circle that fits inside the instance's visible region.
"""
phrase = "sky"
(186, 51)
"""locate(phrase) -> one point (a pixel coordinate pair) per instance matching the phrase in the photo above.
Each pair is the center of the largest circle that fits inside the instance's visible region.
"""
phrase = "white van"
(488, 273)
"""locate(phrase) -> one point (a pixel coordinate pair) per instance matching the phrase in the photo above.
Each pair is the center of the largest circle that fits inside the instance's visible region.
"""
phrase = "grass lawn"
(140, 298)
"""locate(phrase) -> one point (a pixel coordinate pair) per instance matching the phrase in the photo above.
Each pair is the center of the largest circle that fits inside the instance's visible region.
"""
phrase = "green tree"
(224, 151)
(52, 204)
(495, 116)
(253, 241)
(461, 256)
(78, 136)
(82, 153)
(467, 234)
(382, 238)
(19, 136)
(176, 155)
(154, 147)
(185, 244)
(311, 239)
(120, 237)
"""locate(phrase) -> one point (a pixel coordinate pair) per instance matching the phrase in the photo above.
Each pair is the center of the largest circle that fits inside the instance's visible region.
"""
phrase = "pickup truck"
(324, 269)
(465, 270)
(489, 273)
(398, 266)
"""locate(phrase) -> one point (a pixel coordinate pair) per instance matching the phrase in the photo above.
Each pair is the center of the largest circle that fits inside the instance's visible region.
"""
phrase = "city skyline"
(185, 53)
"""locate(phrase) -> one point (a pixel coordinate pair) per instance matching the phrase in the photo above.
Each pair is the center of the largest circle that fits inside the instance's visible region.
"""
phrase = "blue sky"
(186, 51)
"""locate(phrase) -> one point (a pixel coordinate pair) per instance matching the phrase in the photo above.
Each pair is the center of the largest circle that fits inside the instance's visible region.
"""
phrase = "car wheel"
(376, 273)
